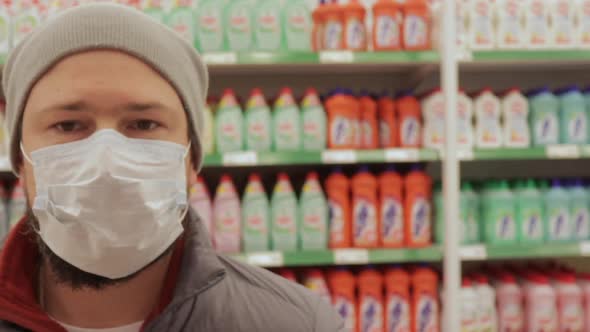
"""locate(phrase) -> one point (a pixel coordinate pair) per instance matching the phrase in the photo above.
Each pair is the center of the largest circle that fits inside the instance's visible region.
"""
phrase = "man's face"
(97, 90)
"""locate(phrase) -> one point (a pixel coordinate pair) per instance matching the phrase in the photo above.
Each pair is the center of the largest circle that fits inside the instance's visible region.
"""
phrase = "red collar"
(18, 271)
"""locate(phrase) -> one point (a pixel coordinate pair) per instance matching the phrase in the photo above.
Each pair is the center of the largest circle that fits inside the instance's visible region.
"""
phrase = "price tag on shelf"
(462, 154)
(266, 259)
(336, 57)
(351, 256)
(473, 253)
(562, 152)
(402, 155)
(221, 58)
(246, 158)
(585, 150)
(585, 248)
(4, 164)
(339, 157)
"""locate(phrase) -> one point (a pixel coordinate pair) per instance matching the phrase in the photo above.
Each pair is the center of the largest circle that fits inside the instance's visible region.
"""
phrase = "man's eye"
(69, 126)
(144, 125)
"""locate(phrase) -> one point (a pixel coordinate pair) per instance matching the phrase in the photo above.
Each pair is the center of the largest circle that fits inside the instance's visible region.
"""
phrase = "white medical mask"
(110, 205)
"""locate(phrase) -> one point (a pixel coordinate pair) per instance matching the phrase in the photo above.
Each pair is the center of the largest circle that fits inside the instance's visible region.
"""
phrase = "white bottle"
(469, 307)
(488, 132)
(537, 32)
(486, 309)
(563, 29)
(515, 110)
(200, 201)
(227, 216)
(510, 33)
(583, 27)
(433, 111)
(465, 135)
(482, 35)
(570, 299)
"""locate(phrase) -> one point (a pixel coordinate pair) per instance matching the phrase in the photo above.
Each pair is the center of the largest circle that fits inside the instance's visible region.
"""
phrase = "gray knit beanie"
(105, 26)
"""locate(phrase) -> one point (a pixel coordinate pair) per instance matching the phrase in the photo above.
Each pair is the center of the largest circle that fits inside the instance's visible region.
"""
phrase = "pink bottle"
(584, 280)
(510, 303)
(541, 304)
(570, 306)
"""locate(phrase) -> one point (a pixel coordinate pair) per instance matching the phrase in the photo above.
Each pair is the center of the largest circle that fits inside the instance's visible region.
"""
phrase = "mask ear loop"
(22, 150)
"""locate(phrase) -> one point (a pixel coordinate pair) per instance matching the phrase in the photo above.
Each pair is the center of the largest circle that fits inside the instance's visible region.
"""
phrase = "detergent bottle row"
(387, 211)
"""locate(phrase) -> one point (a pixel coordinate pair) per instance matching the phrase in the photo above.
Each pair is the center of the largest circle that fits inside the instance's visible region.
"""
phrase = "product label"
(367, 134)
(240, 28)
(510, 313)
(415, 31)
(181, 20)
(268, 32)
(4, 32)
(577, 128)
(365, 222)
(483, 31)
(546, 129)
(355, 34)
(505, 226)
(346, 310)
(313, 213)
(384, 134)
(581, 219)
(426, 314)
(532, 226)
(584, 23)
(464, 123)
(410, 132)
(570, 313)
(229, 130)
(24, 24)
(510, 26)
(543, 315)
(256, 216)
(421, 221)
(284, 223)
(333, 35)
(341, 132)
(299, 28)
(488, 124)
(286, 130)
(336, 222)
(559, 223)
(226, 218)
(210, 31)
(258, 129)
(392, 221)
(563, 23)
(538, 23)
(371, 315)
(387, 32)
(398, 314)
(468, 316)
(314, 124)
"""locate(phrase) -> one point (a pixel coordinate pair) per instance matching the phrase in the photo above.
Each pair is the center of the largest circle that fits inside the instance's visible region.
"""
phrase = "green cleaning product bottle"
(498, 214)
(559, 227)
(573, 120)
(579, 211)
(208, 134)
(297, 25)
(587, 104)
(314, 122)
(544, 108)
(26, 20)
(229, 125)
(255, 216)
(313, 215)
(209, 21)
(470, 203)
(155, 10)
(238, 25)
(286, 122)
(283, 207)
(180, 19)
(529, 213)
(268, 25)
(258, 123)
(439, 214)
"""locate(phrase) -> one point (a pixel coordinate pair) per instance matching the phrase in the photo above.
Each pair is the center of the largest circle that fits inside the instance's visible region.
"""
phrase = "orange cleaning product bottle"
(388, 136)
(416, 28)
(342, 284)
(365, 219)
(355, 31)
(387, 26)
(370, 301)
(391, 213)
(417, 207)
(424, 304)
(338, 193)
(342, 111)
(333, 38)
(397, 300)
(317, 34)
(410, 121)
(369, 127)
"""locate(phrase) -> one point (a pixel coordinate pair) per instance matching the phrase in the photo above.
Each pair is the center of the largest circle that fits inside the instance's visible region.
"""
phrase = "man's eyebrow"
(77, 106)
(139, 107)
(68, 106)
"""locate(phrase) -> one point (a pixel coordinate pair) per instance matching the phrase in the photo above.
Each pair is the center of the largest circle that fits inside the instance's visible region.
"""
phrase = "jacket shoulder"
(9, 327)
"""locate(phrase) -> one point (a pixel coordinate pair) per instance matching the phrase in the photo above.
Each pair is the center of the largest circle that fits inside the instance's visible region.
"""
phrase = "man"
(104, 122)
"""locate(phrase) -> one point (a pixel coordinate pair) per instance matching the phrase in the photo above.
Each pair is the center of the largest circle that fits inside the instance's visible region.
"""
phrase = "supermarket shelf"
(531, 55)
(340, 257)
(525, 251)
